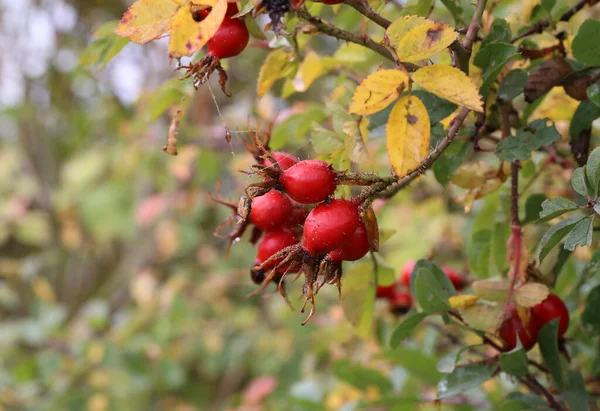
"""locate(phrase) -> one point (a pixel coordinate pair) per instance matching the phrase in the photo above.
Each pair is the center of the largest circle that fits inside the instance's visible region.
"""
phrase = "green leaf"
(583, 118)
(107, 45)
(451, 160)
(499, 32)
(492, 59)
(578, 182)
(533, 207)
(463, 379)
(164, 97)
(520, 146)
(437, 107)
(360, 376)
(454, 8)
(548, 5)
(429, 292)
(518, 401)
(479, 251)
(586, 47)
(325, 141)
(253, 27)
(358, 298)
(498, 245)
(415, 362)
(295, 128)
(515, 362)
(386, 275)
(575, 393)
(581, 234)
(554, 235)
(592, 172)
(548, 341)
(591, 314)
(593, 93)
(512, 85)
(406, 327)
(447, 286)
(556, 207)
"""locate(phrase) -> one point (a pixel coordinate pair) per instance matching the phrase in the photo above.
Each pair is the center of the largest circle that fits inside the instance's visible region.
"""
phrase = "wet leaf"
(449, 83)
(378, 91)
(147, 20)
(407, 135)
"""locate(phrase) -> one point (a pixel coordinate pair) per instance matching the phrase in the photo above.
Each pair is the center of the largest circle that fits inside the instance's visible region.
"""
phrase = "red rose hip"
(385, 291)
(407, 270)
(230, 39)
(355, 248)
(272, 243)
(328, 226)
(400, 302)
(513, 326)
(552, 307)
(284, 160)
(309, 181)
(271, 210)
(455, 277)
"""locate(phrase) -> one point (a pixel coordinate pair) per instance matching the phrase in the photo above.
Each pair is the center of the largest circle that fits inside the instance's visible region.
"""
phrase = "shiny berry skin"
(232, 9)
(296, 218)
(552, 307)
(385, 291)
(400, 302)
(230, 39)
(355, 248)
(309, 181)
(511, 326)
(284, 160)
(271, 210)
(273, 242)
(328, 226)
(407, 270)
(457, 279)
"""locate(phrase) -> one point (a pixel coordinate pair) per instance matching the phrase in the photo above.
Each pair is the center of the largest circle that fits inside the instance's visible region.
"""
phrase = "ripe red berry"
(271, 210)
(273, 242)
(230, 39)
(513, 326)
(284, 160)
(355, 248)
(232, 8)
(309, 181)
(385, 291)
(400, 302)
(296, 218)
(328, 226)
(407, 270)
(454, 276)
(552, 307)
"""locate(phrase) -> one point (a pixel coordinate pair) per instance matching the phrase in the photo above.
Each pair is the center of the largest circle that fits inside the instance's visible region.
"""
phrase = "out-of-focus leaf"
(104, 47)
(548, 341)
(518, 401)
(498, 246)
(463, 379)
(591, 314)
(583, 118)
(593, 93)
(166, 95)
(357, 133)
(310, 69)
(407, 135)
(479, 251)
(451, 160)
(378, 91)
(555, 234)
(449, 83)
(358, 298)
(417, 363)
(512, 85)
(499, 32)
(592, 173)
(447, 286)
(533, 207)
(272, 69)
(531, 294)
(406, 327)
(575, 392)
(586, 48)
(361, 377)
(325, 141)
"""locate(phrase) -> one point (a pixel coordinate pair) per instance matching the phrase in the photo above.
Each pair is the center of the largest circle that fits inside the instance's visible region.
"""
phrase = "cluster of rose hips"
(230, 39)
(298, 225)
(398, 294)
(527, 323)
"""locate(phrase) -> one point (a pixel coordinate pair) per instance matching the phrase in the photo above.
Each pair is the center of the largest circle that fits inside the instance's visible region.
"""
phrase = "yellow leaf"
(311, 69)
(378, 91)
(462, 301)
(188, 36)
(483, 316)
(449, 83)
(147, 20)
(531, 294)
(473, 175)
(424, 41)
(271, 70)
(356, 135)
(495, 290)
(407, 135)
(400, 28)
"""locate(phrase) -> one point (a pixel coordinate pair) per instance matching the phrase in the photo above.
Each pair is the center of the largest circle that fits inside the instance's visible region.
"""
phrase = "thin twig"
(364, 9)
(531, 382)
(474, 26)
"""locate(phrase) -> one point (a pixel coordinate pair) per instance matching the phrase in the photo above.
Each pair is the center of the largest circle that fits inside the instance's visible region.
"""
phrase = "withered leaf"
(545, 76)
